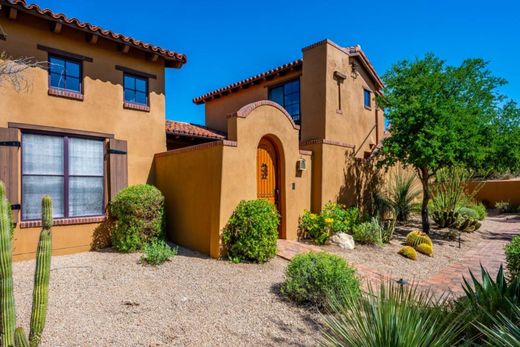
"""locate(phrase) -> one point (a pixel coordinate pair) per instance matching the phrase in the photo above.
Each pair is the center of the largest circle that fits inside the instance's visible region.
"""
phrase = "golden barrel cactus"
(425, 249)
(416, 237)
(408, 252)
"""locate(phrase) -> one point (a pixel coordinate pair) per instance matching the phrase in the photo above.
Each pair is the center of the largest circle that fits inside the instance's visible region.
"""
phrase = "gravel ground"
(385, 260)
(108, 299)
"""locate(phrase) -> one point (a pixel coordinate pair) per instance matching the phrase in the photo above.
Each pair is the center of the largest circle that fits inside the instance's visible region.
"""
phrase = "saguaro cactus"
(9, 336)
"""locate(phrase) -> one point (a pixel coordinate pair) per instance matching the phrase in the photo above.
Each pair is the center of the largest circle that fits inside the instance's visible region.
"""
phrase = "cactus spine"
(41, 275)
(9, 335)
(7, 312)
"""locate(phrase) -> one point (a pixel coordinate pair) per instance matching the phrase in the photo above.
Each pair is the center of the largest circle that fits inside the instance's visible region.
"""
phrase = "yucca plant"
(487, 298)
(393, 316)
(401, 195)
(505, 331)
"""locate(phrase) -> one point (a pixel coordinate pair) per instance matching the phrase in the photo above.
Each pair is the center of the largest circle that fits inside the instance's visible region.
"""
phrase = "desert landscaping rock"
(108, 299)
(343, 240)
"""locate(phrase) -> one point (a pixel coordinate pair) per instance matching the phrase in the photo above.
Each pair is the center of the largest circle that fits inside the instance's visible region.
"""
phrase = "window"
(68, 169)
(65, 73)
(288, 96)
(136, 89)
(368, 98)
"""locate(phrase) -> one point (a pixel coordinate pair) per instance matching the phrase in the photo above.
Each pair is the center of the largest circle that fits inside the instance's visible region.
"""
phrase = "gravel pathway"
(108, 299)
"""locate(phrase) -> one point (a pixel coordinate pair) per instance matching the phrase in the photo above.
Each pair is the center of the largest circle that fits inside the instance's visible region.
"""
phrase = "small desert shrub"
(505, 207)
(252, 231)
(402, 195)
(468, 212)
(138, 213)
(416, 237)
(334, 218)
(512, 250)
(408, 252)
(425, 249)
(479, 208)
(369, 232)
(315, 277)
(157, 252)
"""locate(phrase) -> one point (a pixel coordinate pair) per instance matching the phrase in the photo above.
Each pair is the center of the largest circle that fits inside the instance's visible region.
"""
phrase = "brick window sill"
(137, 107)
(64, 221)
(65, 94)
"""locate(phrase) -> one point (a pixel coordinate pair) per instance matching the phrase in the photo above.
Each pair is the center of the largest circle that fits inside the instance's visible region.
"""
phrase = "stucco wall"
(239, 165)
(100, 111)
(190, 179)
(494, 191)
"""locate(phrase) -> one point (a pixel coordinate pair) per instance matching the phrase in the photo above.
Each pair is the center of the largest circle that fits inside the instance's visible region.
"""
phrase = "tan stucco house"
(87, 124)
(287, 135)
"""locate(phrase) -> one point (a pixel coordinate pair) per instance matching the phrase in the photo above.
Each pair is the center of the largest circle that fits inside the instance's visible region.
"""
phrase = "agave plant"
(488, 298)
(505, 331)
(394, 316)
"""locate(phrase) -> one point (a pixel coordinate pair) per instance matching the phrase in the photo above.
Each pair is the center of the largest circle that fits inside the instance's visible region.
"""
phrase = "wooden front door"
(267, 172)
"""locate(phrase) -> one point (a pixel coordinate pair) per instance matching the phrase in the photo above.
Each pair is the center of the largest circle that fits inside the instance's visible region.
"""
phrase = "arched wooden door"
(267, 176)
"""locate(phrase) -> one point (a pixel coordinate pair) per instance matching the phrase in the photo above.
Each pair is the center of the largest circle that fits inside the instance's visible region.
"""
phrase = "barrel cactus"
(425, 249)
(467, 224)
(416, 237)
(408, 252)
(445, 219)
(10, 335)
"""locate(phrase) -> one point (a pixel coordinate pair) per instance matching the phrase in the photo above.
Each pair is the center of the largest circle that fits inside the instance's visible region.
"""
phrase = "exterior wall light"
(301, 165)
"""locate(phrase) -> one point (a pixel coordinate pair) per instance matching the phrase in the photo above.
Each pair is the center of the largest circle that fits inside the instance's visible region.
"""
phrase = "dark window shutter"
(117, 150)
(9, 166)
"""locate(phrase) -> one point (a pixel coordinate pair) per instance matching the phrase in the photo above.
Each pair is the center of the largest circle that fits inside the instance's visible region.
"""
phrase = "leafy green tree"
(506, 158)
(439, 116)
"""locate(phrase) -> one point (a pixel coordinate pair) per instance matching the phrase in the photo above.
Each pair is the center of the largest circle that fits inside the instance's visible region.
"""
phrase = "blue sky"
(226, 41)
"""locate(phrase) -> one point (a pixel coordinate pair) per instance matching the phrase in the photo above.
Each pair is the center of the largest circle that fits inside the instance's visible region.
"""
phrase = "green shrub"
(252, 231)
(480, 208)
(157, 252)
(138, 213)
(512, 250)
(400, 316)
(369, 232)
(468, 212)
(505, 207)
(315, 277)
(488, 298)
(504, 331)
(315, 227)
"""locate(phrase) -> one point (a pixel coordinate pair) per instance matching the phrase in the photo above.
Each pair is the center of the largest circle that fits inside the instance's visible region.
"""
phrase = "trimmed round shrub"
(317, 277)
(138, 214)
(252, 232)
(408, 252)
(416, 237)
(512, 250)
(425, 249)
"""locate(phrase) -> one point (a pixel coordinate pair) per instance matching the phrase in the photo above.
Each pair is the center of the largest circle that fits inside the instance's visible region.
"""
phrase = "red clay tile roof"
(280, 70)
(188, 129)
(75, 23)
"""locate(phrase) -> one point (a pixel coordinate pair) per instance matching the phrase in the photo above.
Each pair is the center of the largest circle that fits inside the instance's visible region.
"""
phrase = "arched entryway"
(268, 176)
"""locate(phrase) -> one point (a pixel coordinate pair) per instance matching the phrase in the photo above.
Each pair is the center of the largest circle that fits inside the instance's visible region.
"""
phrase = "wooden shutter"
(9, 166)
(117, 150)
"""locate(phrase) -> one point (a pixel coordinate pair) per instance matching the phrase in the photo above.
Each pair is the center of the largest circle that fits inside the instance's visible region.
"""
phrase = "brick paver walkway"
(489, 253)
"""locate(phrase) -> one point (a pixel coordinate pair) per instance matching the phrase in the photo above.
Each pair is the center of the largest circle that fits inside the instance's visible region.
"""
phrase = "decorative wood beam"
(56, 27)
(92, 38)
(123, 48)
(13, 13)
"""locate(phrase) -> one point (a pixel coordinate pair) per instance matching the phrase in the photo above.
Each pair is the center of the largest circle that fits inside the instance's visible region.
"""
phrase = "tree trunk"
(423, 175)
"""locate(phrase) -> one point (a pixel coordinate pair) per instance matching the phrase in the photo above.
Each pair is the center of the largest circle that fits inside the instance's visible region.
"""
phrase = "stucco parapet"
(327, 142)
(244, 111)
(226, 143)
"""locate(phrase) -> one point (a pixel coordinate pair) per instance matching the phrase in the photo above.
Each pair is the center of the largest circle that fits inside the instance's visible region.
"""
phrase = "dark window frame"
(65, 59)
(282, 85)
(65, 175)
(136, 77)
(367, 92)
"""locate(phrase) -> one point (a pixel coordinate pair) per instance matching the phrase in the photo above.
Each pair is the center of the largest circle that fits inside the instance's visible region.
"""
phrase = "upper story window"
(68, 169)
(136, 89)
(288, 96)
(367, 95)
(65, 73)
